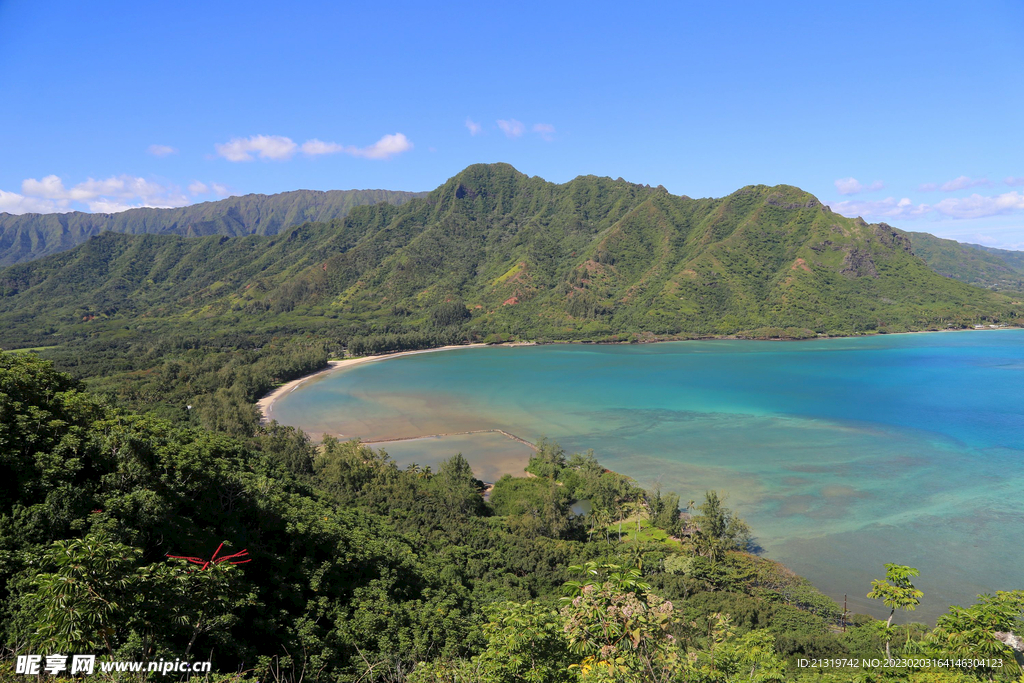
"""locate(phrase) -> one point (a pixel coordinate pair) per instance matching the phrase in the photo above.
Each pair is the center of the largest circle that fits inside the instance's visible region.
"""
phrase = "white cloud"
(853, 186)
(275, 147)
(316, 147)
(161, 150)
(111, 206)
(386, 147)
(973, 207)
(961, 183)
(280, 148)
(12, 202)
(473, 126)
(51, 187)
(545, 130)
(883, 208)
(511, 127)
(1013, 182)
(108, 195)
(979, 206)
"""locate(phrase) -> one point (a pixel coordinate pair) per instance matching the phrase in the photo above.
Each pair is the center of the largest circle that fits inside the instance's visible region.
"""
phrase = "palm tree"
(629, 507)
(599, 518)
(641, 511)
(594, 515)
(620, 508)
(636, 555)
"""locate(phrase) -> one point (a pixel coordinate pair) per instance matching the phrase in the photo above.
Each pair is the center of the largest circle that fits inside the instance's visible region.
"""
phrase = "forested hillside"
(355, 570)
(32, 236)
(587, 259)
(996, 269)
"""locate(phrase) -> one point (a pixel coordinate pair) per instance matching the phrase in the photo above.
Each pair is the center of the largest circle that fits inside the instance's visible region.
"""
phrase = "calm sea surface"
(842, 454)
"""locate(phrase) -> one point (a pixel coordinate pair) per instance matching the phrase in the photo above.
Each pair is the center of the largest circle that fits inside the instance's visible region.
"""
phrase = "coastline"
(266, 404)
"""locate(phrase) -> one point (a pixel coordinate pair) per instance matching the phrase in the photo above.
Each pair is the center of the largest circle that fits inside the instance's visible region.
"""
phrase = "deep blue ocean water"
(842, 454)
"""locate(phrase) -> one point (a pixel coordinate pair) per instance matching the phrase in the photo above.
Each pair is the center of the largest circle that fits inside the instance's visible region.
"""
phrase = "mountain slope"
(995, 269)
(589, 259)
(32, 236)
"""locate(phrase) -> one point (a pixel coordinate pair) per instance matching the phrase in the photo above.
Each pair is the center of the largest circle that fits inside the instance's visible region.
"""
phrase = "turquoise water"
(842, 454)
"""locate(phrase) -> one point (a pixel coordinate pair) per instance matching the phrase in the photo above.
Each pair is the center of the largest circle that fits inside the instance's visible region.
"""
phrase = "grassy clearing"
(648, 533)
(32, 349)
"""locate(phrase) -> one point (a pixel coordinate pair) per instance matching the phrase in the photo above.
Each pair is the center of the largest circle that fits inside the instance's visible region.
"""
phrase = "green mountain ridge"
(32, 236)
(593, 259)
(29, 237)
(988, 267)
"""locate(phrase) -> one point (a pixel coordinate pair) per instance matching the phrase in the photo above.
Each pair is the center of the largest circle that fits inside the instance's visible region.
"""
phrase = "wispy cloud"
(198, 187)
(979, 206)
(545, 130)
(161, 150)
(280, 148)
(316, 147)
(385, 148)
(890, 207)
(849, 186)
(511, 127)
(961, 183)
(109, 195)
(975, 206)
(1014, 181)
(473, 126)
(274, 147)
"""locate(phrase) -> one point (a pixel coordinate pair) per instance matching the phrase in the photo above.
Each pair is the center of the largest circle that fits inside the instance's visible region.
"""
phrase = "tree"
(84, 594)
(896, 592)
(525, 644)
(549, 461)
(619, 629)
(981, 631)
(718, 528)
(457, 487)
(665, 512)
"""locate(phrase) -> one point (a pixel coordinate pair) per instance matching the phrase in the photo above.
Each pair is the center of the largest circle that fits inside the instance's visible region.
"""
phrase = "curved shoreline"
(266, 404)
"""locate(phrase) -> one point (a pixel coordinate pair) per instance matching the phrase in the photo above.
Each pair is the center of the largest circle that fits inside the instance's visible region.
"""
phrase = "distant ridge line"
(31, 236)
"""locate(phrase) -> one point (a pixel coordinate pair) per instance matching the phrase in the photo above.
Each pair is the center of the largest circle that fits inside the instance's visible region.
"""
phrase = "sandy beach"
(266, 404)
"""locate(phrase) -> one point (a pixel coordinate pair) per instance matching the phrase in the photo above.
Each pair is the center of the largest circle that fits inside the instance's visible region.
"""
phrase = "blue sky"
(906, 112)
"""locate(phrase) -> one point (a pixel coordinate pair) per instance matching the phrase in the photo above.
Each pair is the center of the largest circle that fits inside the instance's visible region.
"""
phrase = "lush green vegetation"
(362, 571)
(32, 236)
(995, 269)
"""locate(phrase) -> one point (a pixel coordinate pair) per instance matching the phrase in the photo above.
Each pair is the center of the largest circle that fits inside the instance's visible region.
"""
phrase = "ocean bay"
(842, 454)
